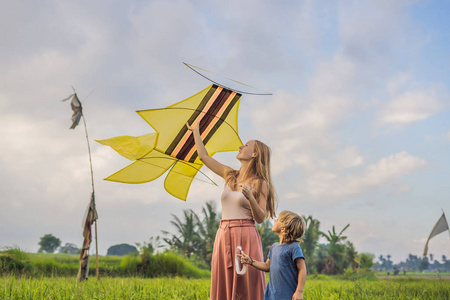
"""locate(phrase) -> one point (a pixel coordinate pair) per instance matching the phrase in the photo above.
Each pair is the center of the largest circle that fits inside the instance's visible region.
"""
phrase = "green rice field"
(53, 276)
(322, 287)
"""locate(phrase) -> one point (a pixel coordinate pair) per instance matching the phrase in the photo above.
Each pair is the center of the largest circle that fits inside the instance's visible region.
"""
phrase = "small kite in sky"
(172, 146)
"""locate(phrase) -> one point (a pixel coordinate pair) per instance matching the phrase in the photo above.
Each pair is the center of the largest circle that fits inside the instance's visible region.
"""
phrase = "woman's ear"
(254, 154)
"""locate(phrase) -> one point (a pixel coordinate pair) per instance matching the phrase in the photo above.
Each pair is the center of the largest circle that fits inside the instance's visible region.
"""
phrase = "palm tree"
(150, 247)
(187, 239)
(268, 237)
(351, 256)
(334, 262)
(389, 262)
(383, 263)
(310, 239)
(334, 238)
(366, 260)
(207, 229)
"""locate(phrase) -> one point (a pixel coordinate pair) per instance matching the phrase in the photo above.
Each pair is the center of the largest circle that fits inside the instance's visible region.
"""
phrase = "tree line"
(195, 233)
(413, 263)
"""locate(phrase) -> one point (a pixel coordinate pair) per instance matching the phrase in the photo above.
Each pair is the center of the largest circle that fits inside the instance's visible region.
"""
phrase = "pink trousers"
(226, 284)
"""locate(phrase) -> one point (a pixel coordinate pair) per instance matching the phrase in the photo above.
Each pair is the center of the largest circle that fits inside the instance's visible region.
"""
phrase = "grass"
(107, 288)
(318, 288)
(38, 264)
(53, 276)
(14, 261)
(380, 289)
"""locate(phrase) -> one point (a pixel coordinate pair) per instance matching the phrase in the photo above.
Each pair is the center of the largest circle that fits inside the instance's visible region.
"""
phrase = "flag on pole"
(77, 109)
(91, 213)
(88, 220)
(440, 227)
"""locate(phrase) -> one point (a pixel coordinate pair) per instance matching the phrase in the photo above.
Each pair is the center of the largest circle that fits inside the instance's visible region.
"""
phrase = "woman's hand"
(191, 128)
(245, 259)
(258, 211)
(247, 191)
(203, 155)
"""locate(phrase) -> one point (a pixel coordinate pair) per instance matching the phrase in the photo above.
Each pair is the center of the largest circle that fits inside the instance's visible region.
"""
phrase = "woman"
(248, 196)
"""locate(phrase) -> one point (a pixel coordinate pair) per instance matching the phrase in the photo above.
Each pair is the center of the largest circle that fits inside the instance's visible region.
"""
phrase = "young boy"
(285, 261)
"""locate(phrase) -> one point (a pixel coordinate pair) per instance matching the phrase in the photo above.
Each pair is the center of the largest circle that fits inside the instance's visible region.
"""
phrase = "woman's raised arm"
(203, 155)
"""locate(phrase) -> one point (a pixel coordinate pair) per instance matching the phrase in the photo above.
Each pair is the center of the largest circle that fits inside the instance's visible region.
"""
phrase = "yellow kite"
(215, 110)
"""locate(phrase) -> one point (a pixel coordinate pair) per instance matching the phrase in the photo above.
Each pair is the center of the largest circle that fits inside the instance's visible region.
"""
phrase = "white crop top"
(235, 205)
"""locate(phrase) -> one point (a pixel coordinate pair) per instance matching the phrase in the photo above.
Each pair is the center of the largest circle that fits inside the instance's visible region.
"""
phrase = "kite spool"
(239, 271)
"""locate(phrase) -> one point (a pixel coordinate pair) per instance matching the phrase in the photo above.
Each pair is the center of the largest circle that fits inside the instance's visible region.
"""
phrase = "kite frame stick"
(177, 160)
(235, 90)
(186, 108)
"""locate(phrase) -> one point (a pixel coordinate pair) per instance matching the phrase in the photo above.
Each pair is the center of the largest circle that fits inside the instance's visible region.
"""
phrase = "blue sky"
(358, 121)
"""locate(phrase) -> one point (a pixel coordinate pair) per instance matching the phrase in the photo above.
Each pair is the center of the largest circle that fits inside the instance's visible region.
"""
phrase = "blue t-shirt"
(283, 275)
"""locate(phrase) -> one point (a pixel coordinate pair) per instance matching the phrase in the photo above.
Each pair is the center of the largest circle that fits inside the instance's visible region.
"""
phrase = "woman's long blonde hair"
(257, 173)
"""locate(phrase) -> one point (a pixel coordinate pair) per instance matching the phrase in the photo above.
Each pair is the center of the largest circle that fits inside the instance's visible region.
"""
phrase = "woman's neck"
(243, 171)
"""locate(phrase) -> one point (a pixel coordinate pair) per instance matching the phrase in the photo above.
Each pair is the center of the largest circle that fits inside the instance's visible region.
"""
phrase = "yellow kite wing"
(146, 169)
(214, 110)
(131, 147)
(180, 177)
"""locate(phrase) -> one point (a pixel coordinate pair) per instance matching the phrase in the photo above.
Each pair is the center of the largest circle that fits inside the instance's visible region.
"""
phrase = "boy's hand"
(297, 296)
(245, 259)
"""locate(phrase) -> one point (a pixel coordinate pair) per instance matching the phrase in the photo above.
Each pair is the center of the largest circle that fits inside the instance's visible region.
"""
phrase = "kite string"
(88, 95)
(189, 65)
(192, 68)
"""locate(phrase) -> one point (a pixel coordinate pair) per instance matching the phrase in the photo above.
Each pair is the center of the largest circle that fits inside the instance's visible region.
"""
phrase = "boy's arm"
(263, 266)
(300, 262)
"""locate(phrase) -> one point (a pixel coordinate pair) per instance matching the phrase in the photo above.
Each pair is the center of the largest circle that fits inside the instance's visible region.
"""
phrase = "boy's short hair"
(294, 226)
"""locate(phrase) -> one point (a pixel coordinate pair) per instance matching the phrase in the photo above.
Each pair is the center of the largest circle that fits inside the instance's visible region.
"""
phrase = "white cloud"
(325, 66)
(408, 102)
(376, 175)
(409, 107)
(349, 158)
(291, 195)
(395, 165)
(405, 188)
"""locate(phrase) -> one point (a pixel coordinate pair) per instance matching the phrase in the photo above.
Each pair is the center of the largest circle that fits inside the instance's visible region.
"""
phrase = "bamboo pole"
(96, 253)
(93, 196)
(446, 221)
